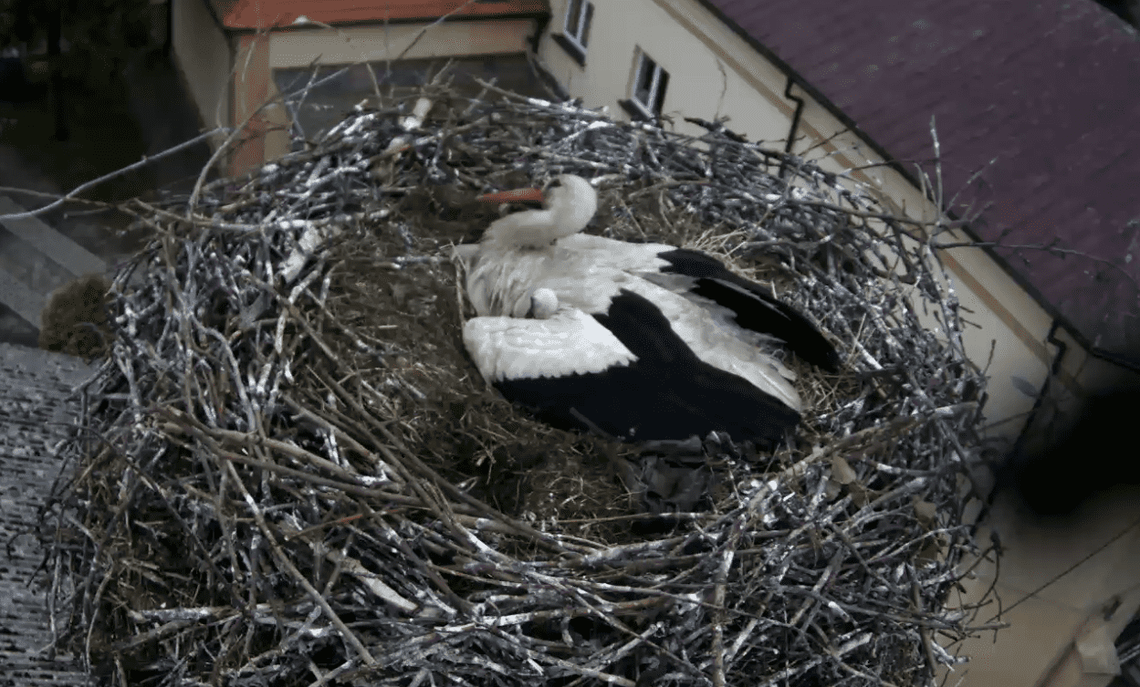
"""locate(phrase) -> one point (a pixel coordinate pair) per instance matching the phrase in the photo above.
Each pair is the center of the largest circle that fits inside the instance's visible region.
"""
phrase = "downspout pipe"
(795, 122)
(1054, 370)
(998, 469)
(540, 24)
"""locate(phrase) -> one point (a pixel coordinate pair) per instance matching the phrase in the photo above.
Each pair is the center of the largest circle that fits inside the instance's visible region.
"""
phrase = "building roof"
(1041, 100)
(254, 14)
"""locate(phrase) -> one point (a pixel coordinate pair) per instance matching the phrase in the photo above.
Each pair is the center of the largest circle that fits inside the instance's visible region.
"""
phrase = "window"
(578, 16)
(576, 32)
(649, 86)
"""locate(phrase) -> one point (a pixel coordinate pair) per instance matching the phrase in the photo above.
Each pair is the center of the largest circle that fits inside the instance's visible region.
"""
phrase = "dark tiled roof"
(253, 14)
(1049, 91)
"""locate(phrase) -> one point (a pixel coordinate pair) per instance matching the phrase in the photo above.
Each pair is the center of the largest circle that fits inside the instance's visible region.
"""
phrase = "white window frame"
(581, 37)
(654, 85)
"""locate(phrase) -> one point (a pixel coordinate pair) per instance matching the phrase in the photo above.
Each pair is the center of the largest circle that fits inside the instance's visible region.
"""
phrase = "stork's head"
(572, 200)
(568, 203)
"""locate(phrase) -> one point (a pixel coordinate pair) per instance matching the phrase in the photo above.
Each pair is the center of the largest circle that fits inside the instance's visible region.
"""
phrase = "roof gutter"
(798, 79)
(1054, 371)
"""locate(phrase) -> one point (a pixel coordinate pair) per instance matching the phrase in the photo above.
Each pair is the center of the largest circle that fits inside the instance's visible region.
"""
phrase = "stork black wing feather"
(667, 393)
(753, 305)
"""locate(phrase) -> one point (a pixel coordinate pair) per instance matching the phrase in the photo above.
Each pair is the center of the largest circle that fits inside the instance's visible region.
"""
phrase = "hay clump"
(75, 318)
(290, 473)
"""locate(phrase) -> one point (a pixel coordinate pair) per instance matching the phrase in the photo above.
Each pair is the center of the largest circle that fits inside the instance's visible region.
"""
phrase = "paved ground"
(35, 410)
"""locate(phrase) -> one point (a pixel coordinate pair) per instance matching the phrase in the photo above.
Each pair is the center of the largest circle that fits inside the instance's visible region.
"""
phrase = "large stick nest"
(290, 473)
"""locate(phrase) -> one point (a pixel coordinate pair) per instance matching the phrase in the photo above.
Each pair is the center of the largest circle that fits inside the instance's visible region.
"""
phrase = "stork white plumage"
(642, 340)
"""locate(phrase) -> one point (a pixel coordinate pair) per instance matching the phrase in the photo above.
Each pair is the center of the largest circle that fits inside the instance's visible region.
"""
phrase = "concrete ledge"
(25, 302)
(58, 248)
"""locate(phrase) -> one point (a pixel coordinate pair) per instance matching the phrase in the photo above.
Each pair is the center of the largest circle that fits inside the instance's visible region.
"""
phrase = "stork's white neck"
(568, 210)
(527, 229)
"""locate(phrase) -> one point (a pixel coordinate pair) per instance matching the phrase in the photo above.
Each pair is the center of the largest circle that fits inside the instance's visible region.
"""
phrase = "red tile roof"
(1043, 97)
(253, 14)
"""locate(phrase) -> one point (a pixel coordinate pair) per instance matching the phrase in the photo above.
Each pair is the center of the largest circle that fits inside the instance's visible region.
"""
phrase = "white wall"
(701, 83)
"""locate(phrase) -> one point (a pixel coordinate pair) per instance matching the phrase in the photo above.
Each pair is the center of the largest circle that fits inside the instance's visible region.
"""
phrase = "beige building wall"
(203, 55)
(703, 83)
(1067, 589)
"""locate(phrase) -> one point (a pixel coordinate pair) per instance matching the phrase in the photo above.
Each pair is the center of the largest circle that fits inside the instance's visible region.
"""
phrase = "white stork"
(642, 340)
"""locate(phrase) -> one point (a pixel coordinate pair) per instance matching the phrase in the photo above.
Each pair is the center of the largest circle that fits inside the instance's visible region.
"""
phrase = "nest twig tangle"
(290, 474)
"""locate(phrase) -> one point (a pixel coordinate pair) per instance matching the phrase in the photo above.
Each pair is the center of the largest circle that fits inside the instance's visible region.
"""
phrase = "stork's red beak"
(520, 195)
